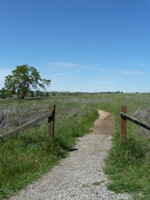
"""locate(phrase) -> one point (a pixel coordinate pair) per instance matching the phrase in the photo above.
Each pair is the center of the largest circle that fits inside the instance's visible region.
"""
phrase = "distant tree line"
(25, 81)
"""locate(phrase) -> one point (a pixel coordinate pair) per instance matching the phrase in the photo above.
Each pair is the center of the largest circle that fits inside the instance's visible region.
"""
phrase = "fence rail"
(124, 118)
(51, 124)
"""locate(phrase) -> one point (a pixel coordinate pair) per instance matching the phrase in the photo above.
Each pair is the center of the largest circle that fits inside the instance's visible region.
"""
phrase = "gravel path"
(79, 176)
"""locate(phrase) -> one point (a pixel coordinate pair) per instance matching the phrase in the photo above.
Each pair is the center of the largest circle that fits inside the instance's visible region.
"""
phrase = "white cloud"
(73, 65)
(61, 74)
(130, 72)
(122, 71)
(68, 65)
(103, 82)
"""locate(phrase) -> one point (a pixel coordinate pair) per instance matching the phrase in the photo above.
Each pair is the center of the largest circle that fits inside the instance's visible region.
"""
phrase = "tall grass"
(28, 155)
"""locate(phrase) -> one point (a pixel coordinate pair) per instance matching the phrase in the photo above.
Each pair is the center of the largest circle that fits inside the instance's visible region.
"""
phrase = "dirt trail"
(80, 176)
(105, 124)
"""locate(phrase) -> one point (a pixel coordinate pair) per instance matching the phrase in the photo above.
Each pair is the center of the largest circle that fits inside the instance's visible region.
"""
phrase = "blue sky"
(80, 45)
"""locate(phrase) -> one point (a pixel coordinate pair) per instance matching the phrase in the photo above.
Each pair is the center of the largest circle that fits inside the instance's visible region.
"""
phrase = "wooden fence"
(124, 118)
(51, 124)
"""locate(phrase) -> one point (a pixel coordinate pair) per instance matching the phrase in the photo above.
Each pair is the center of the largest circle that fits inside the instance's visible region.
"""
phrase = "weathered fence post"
(123, 124)
(51, 123)
(53, 113)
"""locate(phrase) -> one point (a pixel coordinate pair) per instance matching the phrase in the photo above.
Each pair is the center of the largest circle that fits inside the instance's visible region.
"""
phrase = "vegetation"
(23, 79)
(28, 155)
(128, 164)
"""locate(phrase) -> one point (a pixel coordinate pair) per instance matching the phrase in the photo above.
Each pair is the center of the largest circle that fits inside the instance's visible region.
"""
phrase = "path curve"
(80, 176)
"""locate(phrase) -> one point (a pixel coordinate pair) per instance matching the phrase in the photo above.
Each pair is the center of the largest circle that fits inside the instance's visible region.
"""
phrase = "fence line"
(51, 122)
(124, 118)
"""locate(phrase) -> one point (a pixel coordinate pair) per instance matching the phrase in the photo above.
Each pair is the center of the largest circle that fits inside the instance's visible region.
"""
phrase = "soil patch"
(105, 124)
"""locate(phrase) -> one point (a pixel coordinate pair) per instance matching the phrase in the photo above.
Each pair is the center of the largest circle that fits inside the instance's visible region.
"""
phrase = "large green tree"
(24, 79)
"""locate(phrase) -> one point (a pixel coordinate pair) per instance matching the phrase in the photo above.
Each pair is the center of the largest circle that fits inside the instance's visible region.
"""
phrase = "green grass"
(128, 166)
(128, 163)
(28, 155)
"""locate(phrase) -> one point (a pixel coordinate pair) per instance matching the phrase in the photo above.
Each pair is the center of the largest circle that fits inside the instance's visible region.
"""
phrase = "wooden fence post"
(123, 125)
(54, 108)
(51, 123)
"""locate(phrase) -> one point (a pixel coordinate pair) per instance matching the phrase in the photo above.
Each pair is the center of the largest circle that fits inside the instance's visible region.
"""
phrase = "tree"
(41, 94)
(47, 94)
(32, 93)
(3, 93)
(37, 93)
(24, 79)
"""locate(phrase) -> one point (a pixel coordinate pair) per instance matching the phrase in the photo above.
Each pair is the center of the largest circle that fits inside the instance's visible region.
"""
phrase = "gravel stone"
(78, 177)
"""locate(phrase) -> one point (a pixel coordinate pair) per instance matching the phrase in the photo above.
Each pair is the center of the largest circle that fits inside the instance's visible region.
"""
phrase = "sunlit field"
(28, 155)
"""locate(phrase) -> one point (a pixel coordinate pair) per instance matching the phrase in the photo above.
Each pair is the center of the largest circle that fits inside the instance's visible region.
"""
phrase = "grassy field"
(28, 155)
